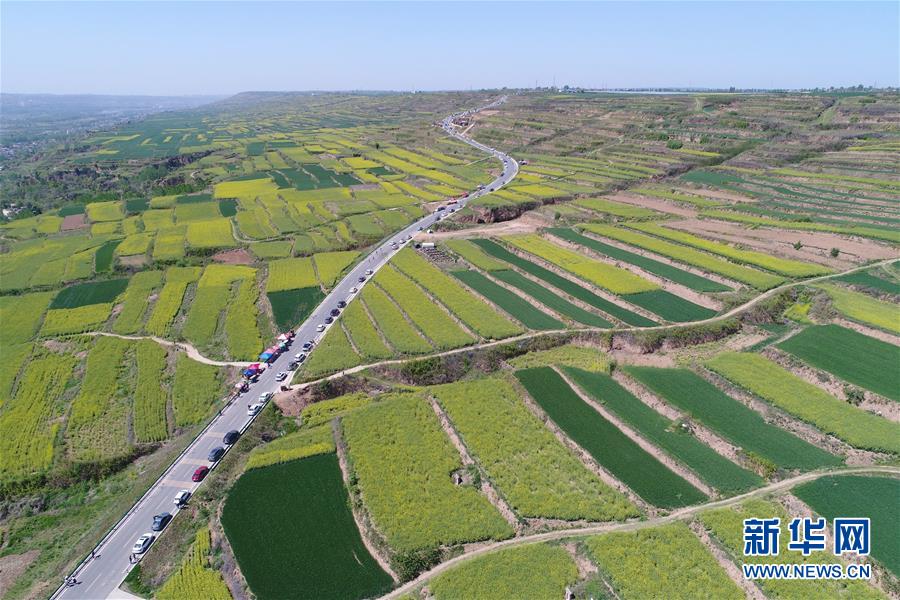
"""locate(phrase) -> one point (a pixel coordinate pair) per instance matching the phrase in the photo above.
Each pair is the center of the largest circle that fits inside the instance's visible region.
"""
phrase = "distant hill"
(28, 119)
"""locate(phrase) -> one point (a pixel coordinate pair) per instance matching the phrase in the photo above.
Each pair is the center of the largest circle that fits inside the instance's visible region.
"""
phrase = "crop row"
(661, 562)
(431, 319)
(536, 474)
(523, 311)
(196, 578)
(864, 309)
(608, 277)
(98, 423)
(480, 317)
(744, 427)
(150, 397)
(134, 301)
(850, 355)
(402, 336)
(713, 468)
(615, 451)
(27, 429)
(403, 463)
(667, 271)
(691, 256)
(563, 284)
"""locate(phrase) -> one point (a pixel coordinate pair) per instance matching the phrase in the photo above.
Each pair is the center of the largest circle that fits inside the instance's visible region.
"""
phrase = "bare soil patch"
(12, 566)
(529, 222)
(718, 194)
(73, 222)
(654, 204)
(137, 260)
(816, 246)
(234, 257)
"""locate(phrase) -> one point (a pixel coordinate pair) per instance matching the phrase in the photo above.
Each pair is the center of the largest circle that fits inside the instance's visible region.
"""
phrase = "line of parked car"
(181, 498)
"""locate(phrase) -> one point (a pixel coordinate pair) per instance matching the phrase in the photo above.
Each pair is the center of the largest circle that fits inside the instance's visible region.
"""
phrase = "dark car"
(335, 312)
(160, 521)
(200, 473)
(341, 304)
(293, 365)
(361, 279)
(231, 437)
(329, 320)
(215, 454)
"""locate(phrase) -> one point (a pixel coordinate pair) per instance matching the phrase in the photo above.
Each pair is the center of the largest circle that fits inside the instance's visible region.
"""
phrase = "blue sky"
(223, 48)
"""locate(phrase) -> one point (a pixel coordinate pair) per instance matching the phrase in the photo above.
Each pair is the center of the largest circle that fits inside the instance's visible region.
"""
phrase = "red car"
(200, 473)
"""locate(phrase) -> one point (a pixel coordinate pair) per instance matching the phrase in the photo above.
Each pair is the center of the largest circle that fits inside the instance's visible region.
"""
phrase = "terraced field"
(731, 419)
(632, 221)
(852, 356)
(612, 449)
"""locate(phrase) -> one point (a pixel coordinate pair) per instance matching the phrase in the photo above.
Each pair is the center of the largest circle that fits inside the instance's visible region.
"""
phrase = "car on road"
(231, 437)
(440, 208)
(160, 521)
(142, 543)
(252, 410)
(300, 356)
(265, 396)
(182, 497)
(329, 320)
(216, 454)
(293, 365)
(320, 328)
(353, 290)
(200, 473)
(369, 271)
(341, 304)
(361, 278)
(335, 312)
(281, 376)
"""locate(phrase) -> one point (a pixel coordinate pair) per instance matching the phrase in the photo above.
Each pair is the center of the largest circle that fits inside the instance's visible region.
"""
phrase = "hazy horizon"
(220, 49)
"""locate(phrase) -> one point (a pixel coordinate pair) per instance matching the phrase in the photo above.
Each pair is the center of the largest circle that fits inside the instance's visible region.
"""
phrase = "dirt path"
(731, 313)
(529, 222)
(191, 351)
(680, 514)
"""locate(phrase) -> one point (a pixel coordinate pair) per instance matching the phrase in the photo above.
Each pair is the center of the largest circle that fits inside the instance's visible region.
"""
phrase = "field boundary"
(527, 336)
(676, 515)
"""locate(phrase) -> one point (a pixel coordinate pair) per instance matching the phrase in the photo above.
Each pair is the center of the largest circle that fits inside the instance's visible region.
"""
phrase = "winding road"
(99, 578)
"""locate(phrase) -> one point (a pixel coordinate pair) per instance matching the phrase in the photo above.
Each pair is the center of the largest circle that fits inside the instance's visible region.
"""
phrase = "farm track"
(191, 351)
(525, 336)
(676, 515)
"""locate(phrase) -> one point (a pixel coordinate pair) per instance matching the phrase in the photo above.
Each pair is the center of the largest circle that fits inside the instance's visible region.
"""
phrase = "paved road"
(99, 578)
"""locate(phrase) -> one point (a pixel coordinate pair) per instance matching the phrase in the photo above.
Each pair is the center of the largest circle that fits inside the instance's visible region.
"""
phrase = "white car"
(142, 543)
(253, 409)
(354, 290)
(265, 396)
(182, 497)
(281, 376)
(320, 328)
(369, 272)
